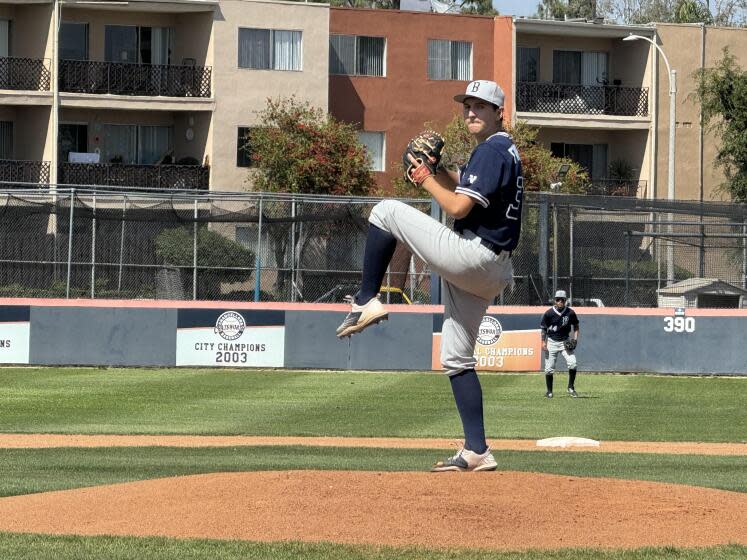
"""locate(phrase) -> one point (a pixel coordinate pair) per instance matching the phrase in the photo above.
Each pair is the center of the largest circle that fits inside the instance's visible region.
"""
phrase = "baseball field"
(205, 463)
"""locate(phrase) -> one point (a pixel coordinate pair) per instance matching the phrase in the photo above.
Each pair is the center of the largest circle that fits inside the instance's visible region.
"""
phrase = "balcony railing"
(538, 97)
(24, 74)
(20, 171)
(119, 78)
(615, 187)
(132, 175)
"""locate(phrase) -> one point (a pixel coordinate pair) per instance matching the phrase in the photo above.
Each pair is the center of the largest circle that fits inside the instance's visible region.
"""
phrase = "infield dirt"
(502, 510)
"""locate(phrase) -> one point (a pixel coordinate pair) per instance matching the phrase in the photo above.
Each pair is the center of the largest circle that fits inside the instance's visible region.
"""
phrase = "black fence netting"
(269, 247)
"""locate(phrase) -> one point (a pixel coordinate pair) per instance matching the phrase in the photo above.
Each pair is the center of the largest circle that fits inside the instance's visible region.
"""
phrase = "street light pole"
(671, 157)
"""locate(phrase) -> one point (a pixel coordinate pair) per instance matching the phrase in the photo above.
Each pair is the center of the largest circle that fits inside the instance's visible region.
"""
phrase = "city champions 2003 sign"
(498, 349)
(207, 337)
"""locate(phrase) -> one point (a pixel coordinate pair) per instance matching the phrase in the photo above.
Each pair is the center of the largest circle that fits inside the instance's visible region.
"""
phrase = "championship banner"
(246, 338)
(15, 332)
(500, 350)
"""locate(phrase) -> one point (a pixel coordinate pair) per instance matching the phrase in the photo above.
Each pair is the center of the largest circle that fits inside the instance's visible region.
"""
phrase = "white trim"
(481, 200)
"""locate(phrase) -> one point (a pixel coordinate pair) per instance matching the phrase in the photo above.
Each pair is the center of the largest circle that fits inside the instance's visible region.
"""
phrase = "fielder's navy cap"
(485, 90)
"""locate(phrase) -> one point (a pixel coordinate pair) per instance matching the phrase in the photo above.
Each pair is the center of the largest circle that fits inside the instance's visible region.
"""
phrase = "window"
(243, 148)
(4, 37)
(73, 41)
(269, 49)
(576, 67)
(527, 62)
(72, 138)
(374, 144)
(129, 143)
(592, 157)
(356, 55)
(145, 45)
(6, 140)
(449, 60)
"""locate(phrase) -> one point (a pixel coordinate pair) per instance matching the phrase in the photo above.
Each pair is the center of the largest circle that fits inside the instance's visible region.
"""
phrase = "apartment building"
(689, 47)
(394, 72)
(163, 93)
(146, 92)
(590, 94)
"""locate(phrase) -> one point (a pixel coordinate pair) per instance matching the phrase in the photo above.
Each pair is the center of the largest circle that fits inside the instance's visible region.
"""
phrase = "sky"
(516, 7)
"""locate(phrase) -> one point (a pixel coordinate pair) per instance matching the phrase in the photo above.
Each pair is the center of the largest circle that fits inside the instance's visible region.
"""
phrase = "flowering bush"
(299, 148)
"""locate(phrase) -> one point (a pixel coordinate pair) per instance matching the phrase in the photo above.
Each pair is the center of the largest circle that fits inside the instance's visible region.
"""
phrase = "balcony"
(20, 171)
(120, 78)
(131, 175)
(28, 74)
(536, 97)
(615, 187)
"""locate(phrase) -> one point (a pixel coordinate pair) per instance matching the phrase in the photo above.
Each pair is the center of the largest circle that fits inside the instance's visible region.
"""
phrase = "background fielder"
(560, 332)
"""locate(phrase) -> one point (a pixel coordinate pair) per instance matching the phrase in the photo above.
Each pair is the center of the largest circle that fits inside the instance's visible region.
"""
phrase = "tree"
(551, 9)
(692, 11)
(539, 165)
(175, 247)
(479, 7)
(722, 12)
(572, 9)
(722, 93)
(302, 149)
(637, 11)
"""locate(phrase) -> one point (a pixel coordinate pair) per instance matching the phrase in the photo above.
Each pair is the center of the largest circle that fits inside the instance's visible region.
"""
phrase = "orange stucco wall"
(401, 103)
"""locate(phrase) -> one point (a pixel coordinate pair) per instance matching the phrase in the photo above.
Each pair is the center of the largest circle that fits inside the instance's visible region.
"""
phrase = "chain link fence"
(187, 245)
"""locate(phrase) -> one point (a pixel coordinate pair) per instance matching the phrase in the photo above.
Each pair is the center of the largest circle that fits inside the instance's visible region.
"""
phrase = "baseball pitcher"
(474, 259)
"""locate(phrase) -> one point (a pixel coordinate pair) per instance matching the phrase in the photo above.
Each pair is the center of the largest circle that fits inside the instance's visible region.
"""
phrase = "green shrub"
(220, 259)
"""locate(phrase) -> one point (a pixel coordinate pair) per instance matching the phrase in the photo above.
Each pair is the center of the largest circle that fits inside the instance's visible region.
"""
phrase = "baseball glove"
(570, 344)
(426, 148)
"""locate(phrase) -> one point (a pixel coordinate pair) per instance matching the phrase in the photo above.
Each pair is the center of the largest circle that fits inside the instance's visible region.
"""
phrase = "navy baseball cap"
(485, 90)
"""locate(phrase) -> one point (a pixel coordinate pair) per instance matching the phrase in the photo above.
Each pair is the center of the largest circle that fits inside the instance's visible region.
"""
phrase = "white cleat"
(362, 316)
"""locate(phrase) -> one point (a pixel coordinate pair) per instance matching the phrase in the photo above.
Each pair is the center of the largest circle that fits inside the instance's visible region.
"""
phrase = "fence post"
(293, 250)
(70, 243)
(257, 257)
(570, 256)
(627, 268)
(121, 244)
(93, 250)
(554, 247)
(194, 254)
(435, 279)
(744, 255)
(543, 250)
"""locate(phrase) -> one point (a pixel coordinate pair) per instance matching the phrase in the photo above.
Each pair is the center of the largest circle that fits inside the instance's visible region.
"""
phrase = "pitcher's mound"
(503, 510)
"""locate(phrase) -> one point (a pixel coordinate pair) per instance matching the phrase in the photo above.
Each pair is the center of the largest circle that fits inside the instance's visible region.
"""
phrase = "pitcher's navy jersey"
(492, 177)
(556, 324)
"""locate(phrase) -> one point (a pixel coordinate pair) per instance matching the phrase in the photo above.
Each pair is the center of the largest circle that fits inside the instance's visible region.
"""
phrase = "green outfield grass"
(211, 401)
(216, 402)
(27, 471)
(28, 547)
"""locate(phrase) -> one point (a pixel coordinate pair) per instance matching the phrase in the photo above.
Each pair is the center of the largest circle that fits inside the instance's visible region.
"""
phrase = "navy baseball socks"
(572, 383)
(548, 384)
(476, 455)
(366, 308)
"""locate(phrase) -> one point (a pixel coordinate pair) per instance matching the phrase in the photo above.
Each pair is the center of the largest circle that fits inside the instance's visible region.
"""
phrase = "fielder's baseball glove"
(570, 344)
(426, 148)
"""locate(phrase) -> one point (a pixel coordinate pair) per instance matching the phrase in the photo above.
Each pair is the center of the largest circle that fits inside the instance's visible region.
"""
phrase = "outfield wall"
(302, 336)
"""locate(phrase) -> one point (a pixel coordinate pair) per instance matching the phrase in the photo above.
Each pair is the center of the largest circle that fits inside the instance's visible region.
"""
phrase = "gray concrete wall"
(103, 336)
(611, 340)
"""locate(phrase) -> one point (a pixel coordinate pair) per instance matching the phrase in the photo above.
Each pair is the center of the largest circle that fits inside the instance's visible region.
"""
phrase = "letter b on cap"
(475, 86)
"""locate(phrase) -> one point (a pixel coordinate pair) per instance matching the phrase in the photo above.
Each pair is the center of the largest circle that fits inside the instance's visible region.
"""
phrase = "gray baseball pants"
(555, 347)
(473, 275)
